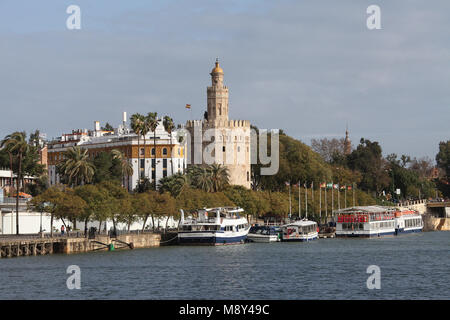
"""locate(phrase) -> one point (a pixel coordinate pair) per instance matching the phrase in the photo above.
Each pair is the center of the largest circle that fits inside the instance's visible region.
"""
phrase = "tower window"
(153, 151)
(223, 148)
(165, 151)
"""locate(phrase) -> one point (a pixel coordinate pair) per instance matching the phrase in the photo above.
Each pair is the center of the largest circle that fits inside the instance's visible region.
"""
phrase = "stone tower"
(217, 95)
(219, 139)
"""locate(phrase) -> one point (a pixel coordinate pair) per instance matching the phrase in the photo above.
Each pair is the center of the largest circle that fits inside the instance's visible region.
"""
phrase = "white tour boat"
(301, 230)
(214, 226)
(408, 221)
(368, 221)
(376, 221)
(263, 234)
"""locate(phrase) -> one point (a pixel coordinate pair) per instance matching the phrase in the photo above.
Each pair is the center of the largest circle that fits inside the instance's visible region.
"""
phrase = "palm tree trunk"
(154, 145)
(19, 173)
(171, 152)
(85, 227)
(139, 158)
(167, 222)
(51, 225)
(145, 141)
(114, 225)
(11, 169)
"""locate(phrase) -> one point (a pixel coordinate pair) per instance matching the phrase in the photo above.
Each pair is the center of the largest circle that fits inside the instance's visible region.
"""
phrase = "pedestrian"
(62, 230)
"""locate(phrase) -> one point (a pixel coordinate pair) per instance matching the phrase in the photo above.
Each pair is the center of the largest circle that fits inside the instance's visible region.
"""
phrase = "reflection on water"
(412, 266)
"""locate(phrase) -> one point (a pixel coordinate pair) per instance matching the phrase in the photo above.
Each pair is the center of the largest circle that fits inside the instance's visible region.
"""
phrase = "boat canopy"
(366, 209)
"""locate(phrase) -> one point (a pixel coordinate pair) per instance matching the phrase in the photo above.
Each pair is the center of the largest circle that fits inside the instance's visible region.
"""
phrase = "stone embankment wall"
(431, 223)
(76, 245)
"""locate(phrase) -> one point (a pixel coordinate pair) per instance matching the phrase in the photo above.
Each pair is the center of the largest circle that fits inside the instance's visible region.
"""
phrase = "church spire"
(347, 143)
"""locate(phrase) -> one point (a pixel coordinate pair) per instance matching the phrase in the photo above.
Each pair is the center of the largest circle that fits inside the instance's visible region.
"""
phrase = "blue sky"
(308, 67)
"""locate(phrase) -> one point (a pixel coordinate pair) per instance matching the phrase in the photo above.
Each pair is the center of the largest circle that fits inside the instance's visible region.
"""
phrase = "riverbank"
(16, 246)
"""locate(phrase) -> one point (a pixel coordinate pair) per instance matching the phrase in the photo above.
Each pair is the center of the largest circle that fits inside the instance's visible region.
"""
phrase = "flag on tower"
(188, 106)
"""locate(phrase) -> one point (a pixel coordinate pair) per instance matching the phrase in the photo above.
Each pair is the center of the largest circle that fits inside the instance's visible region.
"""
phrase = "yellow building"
(142, 157)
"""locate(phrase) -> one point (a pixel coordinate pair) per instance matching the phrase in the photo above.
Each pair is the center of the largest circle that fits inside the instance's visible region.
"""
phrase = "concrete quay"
(15, 246)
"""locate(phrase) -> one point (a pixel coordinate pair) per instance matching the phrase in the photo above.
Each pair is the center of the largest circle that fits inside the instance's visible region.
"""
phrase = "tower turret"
(217, 96)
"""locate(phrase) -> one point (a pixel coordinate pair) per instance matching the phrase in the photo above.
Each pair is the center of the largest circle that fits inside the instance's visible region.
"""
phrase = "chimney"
(97, 125)
(124, 117)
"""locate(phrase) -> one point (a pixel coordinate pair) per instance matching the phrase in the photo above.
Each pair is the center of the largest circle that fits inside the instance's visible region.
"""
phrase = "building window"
(142, 164)
(153, 151)
(165, 151)
(164, 163)
(248, 176)
(239, 149)
(223, 148)
(142, 151)
(153, 163)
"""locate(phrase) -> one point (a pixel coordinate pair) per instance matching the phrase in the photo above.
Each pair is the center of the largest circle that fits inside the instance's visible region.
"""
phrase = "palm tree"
(169, 126)
(219, 176)
(152, 119)
(17, 145)
(201, 178)
(174, 184)
(137, 122)
(125, 165)
(144, 130)
(76, 167)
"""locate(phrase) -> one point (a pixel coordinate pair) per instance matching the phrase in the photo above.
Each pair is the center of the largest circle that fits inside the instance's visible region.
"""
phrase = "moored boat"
(408, 221)
(301, 230)
(263, 234)
(214, 226)
(376, 221)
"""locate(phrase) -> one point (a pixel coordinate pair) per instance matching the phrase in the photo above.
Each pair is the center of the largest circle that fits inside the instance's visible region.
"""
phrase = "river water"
(415, 266)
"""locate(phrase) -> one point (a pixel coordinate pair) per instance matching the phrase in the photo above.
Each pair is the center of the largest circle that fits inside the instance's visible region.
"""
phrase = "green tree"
(76, 168)
(126, 168)
(443, 157)
(152, 120)
(98, 204)
(17, 146)
(174, 184)
(106, 167)
(49, 201)
(297, 162)
(137, 125)
(108, 127)
(169, 126)
(367, 159)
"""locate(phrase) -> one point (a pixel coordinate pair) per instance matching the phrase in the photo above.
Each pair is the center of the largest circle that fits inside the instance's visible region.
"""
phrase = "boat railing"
(200, 220)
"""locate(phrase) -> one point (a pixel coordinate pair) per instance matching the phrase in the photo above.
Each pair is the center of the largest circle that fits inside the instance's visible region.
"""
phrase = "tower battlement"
(218, 123)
